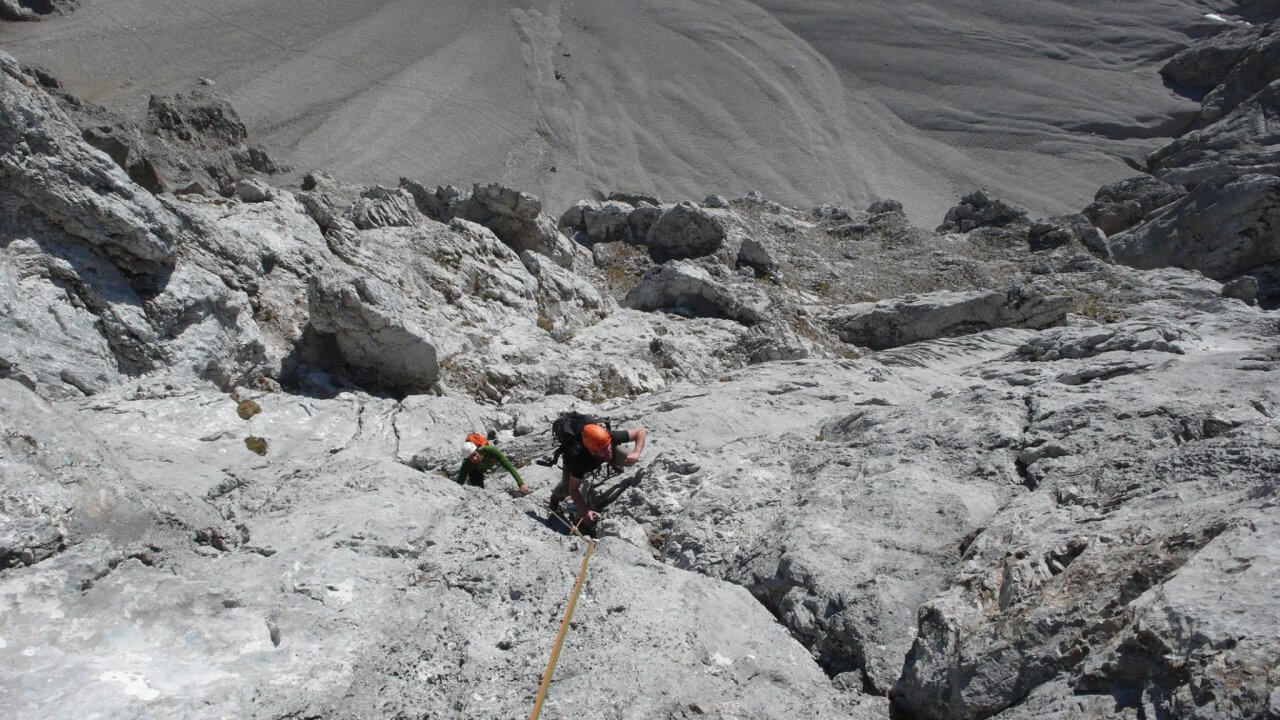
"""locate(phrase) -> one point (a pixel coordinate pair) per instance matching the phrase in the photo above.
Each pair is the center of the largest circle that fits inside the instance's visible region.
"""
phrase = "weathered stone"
(1244, 142)
(1054, 232)
(1223, 228)
(880, 207)
(1132, 336)
(754, 255)
(44, 160)
(684, 231)
(1258, 67)
(1123, 204)
(384, 207)
(372, 334)
(26, 10)
(890, 323)
(978, 209)
(1243, 288)
(690, 290)
(253, 191)
(1206, 64)
(635, 199)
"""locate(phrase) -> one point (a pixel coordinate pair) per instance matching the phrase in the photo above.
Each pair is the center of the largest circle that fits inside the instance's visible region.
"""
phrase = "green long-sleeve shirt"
(490, 456)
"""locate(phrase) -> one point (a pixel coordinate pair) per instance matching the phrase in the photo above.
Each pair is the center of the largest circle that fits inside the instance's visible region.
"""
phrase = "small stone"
(247, 409)
(256, 444)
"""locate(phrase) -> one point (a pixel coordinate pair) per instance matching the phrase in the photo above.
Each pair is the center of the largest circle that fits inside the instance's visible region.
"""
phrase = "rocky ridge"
(1012, 468)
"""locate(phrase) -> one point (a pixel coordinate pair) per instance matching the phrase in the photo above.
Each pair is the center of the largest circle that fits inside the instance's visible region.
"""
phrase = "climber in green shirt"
(479, 457)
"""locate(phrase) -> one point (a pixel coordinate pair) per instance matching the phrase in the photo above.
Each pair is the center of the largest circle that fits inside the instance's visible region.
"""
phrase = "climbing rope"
(564, 623)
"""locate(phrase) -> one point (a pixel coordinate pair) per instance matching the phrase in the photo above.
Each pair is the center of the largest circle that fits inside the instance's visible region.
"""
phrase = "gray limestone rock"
(1245, 141)
(1258, 67)
(28, 10)
(1122, 204)
(890, 323)
(252, 190)
(881, 207)
(370, 330)
(754, 255)
(690, 290)
(596, 222)
(45, 161)
(685, 231)
(978, 209)
(635, 199)
(1205, 65)
(1001, 521)
(1243, 288)
(384, 207)
(1131, 336)
(516, 217)
(1049, 233)
(1223, 228)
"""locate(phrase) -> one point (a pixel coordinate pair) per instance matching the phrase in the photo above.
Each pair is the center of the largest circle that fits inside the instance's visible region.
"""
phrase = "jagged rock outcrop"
(26, 10)
(1120, 205)
(1055, 232)
(1258, 67)
(516, 217)
(190, 143)
(978, 209)
(45, 162)
(1206, 64)
(1223, 228)
(688, 289)
(890, 323)
(1244, 142)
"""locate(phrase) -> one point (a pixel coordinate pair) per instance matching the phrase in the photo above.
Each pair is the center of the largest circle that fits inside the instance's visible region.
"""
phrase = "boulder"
(690, 290)
(1243, 288)
(754, 255)
(891, 323)
(1053, 232)
(1223, 228)
(685, 231)
(1205, 65)
(373, 333)
(1122, 204)
(252, 190)
(595, 222)
(978, 209)
(881, 207)
(384, 207)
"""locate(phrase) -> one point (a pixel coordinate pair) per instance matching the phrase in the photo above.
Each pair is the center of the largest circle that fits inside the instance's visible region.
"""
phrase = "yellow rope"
(564, 628)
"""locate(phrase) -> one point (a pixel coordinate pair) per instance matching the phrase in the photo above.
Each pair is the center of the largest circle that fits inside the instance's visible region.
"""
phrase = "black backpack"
(566, 431)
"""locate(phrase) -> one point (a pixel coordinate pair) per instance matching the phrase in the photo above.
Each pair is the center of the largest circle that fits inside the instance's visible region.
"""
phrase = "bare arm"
(637, 435)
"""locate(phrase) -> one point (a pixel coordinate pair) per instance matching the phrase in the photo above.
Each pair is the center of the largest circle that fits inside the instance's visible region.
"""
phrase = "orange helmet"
(595, 438)
(477, 439)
